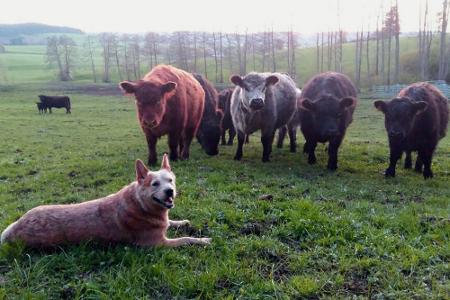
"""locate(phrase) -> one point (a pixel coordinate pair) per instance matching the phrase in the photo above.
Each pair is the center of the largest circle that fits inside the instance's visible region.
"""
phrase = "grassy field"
(323, 235)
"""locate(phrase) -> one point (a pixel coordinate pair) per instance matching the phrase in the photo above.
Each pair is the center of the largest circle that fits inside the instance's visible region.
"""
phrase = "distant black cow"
(209, 132)
(41, 107)
(55, 101)
(326, 109)
(415, 120)
(227, 121)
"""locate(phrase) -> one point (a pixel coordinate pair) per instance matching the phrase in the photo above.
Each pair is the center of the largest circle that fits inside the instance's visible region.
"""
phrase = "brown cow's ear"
(141, 171)
(165, 162)
(168, 87)
(237, 80)
(347, 102)
(271, 80)
(128, 87)
(420, 106)
(308, 104)
(380, 105)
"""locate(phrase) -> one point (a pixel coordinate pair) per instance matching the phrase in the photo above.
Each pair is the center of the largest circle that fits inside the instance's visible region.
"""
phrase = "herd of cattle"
(181, 105)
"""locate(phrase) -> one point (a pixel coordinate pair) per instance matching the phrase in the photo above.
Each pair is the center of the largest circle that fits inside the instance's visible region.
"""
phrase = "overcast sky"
(305, 16)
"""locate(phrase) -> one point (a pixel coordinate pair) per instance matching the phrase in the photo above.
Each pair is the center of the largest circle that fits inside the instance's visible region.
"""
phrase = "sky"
(133, 16)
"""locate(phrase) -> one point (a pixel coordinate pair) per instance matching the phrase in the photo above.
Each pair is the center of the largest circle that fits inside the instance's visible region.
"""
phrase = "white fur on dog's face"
(158, 186)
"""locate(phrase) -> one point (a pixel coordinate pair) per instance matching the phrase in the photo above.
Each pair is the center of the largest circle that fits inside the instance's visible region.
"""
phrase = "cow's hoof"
(418, 170)
(237, 157)
(293, 149)
(332, 167)
(279, 146)
(389, 173)
(312, 160)
(265, 159)
(408, 165)
(427, 174)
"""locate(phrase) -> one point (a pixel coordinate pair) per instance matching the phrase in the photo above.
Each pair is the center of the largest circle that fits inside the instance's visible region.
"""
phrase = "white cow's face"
(254, 87)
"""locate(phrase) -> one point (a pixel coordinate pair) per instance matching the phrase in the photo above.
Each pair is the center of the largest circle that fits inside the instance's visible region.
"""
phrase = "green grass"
(324, 235)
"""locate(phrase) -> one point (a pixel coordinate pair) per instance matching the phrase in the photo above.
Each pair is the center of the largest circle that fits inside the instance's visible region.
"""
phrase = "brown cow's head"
(150, 99)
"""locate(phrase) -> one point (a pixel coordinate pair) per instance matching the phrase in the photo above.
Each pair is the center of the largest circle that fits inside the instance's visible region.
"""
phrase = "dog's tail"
(6, 233)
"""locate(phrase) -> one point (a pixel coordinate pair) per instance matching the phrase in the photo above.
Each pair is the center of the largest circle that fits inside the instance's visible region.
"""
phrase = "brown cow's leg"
(186, 141)
(241, 139)
(151, 143)
(174, 143)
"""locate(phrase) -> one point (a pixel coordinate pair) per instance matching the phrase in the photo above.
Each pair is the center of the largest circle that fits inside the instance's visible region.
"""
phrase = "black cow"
(55, 101)
(415, 120)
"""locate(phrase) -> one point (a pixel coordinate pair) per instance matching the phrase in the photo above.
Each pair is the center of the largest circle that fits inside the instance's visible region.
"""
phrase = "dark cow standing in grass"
(415, 120)
(210, 130)
(41, 107)
(169, 101)
(263, 101)
(227, 121)
(326, 109)
(55, 101)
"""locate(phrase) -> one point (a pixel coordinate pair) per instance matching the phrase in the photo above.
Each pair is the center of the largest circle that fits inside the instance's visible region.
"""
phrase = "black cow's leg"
(267, 141)
(426, 156)
(395, 155)
(333, 148)
(419, 165)
(241, 139)
(292, 131)
(174, 142)
(281, 136)
(247, 138)
(310, 147)
(50, 109)
(232, 133)
(408, 160)
(151, 143)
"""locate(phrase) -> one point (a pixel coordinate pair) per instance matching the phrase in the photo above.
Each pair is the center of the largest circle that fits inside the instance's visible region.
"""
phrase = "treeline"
(376, 52)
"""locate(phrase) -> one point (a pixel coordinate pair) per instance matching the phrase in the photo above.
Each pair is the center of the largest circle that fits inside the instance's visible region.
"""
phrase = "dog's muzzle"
(168, 203)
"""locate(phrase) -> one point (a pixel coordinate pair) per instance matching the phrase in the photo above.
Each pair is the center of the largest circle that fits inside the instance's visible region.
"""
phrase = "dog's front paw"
(204, 241)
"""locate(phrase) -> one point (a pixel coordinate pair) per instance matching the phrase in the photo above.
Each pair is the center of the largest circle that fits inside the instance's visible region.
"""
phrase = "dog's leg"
(186, 241)
(176, 224)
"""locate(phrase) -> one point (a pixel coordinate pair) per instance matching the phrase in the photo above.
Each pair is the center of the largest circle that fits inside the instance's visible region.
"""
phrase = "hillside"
(16, 34)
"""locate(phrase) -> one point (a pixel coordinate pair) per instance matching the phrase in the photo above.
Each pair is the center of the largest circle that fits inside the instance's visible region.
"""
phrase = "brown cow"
(169, 101)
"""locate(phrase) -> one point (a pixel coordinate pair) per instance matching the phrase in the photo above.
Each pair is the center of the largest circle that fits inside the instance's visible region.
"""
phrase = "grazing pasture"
(280, 229)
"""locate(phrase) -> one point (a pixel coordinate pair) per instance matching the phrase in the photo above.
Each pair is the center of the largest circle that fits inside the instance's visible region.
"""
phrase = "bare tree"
(396, 24)
(317, 53)
(106, 41)
(369, 81)
(61, 51)
(90, 48)
(443, 58)
(204, 54)
(274, 63)
(221, 56)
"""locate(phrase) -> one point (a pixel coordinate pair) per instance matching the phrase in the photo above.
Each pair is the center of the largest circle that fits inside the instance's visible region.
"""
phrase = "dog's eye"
(155, 183)
(170, 180)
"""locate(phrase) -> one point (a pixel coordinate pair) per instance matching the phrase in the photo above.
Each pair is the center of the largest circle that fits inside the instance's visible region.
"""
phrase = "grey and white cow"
(265, 101)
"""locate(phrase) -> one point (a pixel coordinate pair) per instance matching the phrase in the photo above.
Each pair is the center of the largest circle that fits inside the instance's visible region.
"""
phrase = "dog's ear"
(165, 163)
(141, 171)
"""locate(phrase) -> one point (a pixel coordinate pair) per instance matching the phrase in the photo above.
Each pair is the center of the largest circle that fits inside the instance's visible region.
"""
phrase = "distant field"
(345, 234)
(27, 63)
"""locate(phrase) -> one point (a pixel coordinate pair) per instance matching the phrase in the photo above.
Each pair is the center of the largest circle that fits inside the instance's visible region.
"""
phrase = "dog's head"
(156, 188)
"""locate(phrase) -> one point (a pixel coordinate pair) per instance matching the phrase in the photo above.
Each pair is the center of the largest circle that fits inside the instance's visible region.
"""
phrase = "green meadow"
(283, 229)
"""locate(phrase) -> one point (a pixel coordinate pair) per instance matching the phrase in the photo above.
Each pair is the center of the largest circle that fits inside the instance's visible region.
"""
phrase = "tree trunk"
(443, 60)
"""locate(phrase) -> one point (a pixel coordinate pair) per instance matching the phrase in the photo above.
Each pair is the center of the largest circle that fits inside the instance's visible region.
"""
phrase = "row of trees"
(376, 51)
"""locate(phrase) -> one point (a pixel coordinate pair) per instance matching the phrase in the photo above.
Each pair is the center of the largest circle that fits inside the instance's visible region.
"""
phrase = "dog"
(138, 214)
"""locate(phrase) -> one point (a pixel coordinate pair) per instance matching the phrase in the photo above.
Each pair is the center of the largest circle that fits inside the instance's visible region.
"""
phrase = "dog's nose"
(169, 192)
